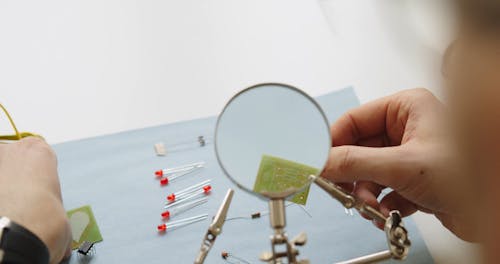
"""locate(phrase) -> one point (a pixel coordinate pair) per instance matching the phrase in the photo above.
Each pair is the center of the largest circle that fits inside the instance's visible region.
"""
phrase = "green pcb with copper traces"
(83, 226)
(277, 174)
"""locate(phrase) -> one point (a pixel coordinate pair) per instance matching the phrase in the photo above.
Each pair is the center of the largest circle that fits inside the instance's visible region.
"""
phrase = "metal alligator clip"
(397, 235)
(215, 228)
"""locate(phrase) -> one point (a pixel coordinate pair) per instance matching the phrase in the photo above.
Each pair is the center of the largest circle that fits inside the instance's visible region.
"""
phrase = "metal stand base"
(279, 238)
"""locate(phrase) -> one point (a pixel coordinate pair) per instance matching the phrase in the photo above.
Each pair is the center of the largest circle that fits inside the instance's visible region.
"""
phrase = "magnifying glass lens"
(270, 138)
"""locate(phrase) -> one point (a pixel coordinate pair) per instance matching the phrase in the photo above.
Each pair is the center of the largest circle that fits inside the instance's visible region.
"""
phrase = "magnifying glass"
(272, 124)
(270, 138)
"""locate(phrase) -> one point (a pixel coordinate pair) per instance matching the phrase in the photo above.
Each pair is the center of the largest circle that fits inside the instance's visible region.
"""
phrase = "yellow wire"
(18, 135)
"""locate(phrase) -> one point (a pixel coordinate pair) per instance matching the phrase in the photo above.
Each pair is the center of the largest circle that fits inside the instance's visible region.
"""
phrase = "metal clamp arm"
(397, 240)
(215, 228)
(348, 200)
(397, 235)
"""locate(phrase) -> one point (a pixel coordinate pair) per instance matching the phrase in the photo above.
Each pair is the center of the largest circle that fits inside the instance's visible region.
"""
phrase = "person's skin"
(30, 193)
(447, 164)
(474, 94)
(400, 142)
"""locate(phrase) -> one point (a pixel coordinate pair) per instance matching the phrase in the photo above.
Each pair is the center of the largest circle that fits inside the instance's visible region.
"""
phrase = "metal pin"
(349, 212)
(162, 172)
(180, 223)
(162, 149)
(173, 196)
(183, 208)
(165, 180)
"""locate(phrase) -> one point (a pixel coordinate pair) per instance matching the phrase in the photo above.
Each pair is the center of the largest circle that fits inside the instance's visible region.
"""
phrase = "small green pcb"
(83, 226)
(276, 174)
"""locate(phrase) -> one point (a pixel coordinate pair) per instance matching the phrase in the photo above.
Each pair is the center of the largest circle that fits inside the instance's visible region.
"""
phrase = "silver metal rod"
(372, 258)
(370, 211)
(347, 200)
(336, 192)
(277, 213)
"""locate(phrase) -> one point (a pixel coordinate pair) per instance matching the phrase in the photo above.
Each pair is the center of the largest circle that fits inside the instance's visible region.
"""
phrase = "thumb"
(389, 166)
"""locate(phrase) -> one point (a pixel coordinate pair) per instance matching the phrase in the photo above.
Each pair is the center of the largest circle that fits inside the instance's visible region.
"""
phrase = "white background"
(74, 69)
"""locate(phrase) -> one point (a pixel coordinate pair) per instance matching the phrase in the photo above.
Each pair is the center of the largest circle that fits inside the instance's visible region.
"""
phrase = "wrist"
(19, 245)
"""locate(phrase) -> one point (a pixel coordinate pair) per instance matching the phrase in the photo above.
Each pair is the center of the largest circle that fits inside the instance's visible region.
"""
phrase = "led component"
(183, 208)
(166, 171)
(189, 190)
(165, 180)
(180, 223)
(181, 201)
(174, 171)
(205, 190)
(165, 214)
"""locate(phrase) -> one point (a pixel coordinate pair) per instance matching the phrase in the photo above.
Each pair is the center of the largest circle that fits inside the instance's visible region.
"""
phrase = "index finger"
(366, 121)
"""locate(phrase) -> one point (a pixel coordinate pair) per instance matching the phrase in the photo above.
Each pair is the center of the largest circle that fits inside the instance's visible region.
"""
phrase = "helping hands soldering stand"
(397, 235)
(278, 222)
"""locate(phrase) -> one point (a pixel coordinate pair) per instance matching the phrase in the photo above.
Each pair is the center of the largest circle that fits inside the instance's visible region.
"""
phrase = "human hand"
(400, 142)
(30, 193)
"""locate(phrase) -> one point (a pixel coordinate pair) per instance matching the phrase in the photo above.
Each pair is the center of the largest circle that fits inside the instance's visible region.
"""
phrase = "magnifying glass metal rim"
(260, 85)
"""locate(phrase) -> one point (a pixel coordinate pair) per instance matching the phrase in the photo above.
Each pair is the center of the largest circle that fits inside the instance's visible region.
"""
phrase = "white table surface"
(74, 69)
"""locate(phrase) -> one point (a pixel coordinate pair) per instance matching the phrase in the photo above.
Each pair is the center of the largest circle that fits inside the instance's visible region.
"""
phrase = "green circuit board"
(83, 226)
(277, 174)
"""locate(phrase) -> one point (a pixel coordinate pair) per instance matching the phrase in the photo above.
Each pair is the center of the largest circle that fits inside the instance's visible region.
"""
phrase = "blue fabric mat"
(114, 174)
